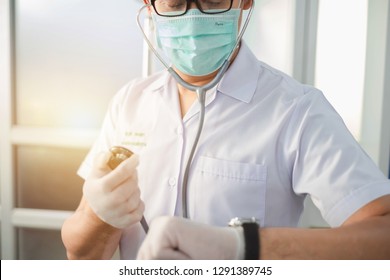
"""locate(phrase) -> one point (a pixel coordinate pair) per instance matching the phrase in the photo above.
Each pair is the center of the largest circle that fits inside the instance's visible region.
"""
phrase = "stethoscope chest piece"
(119, 154)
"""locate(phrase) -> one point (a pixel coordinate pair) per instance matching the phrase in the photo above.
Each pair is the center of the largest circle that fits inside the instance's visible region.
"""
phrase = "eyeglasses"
(174, 8)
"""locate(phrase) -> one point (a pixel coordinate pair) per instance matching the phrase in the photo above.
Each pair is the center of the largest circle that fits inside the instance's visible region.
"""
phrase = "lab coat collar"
(240, 81)
(166, 86)
(161, 81)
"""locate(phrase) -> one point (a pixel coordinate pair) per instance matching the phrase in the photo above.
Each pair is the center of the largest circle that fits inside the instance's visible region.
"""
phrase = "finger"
(100, 167)
(124, 191)
(132, 218)
(132, 206)
(134, 159)
(122, 206)
(124, 171)
(134, 201)
(129, 219)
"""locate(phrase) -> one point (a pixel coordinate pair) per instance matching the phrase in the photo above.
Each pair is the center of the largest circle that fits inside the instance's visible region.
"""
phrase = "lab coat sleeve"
(329, 165)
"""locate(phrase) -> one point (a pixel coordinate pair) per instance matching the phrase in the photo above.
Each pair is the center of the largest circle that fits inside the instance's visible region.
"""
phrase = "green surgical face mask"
(197, 44)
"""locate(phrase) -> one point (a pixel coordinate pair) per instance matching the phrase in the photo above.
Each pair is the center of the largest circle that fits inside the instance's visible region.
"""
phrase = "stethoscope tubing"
(201, 93)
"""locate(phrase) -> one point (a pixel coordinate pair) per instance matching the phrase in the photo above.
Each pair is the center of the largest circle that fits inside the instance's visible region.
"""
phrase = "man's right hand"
(114, 195)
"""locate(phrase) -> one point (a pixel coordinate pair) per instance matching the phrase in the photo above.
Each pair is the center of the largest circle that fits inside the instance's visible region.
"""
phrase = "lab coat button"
(172, 181)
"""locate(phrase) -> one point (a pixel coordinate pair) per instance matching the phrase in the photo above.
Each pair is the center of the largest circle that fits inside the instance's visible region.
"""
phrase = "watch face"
(240, 221)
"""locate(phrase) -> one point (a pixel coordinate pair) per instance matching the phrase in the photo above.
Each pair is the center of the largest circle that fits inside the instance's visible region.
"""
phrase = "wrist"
(95, 221)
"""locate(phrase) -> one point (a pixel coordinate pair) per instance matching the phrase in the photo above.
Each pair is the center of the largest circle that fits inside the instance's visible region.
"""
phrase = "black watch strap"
(252, 243)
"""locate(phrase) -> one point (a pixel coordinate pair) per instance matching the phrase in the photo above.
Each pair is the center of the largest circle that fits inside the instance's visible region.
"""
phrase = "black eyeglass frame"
(188, 7)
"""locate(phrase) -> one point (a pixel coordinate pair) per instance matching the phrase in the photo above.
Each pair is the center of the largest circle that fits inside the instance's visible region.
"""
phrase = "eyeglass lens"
(180, 7)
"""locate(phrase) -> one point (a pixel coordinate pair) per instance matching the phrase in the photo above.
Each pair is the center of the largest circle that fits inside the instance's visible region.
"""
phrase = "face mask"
(197, 44)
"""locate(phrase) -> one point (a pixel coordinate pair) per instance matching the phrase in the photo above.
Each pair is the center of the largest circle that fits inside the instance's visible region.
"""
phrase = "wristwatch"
(250, 227)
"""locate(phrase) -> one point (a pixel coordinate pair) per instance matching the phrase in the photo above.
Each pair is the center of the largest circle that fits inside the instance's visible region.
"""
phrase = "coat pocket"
(222, 190)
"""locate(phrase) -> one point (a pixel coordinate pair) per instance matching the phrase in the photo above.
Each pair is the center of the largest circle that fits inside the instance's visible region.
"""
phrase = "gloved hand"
(114, 195)
(178, 238)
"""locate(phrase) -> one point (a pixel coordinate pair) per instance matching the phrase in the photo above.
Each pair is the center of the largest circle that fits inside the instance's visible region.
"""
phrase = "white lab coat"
(267, 142)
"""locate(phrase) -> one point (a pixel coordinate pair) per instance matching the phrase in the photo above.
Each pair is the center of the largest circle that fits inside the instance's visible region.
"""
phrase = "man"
(267, 142)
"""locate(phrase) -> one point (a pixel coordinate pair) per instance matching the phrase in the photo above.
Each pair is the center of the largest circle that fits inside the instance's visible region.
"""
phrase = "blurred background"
(62, 61)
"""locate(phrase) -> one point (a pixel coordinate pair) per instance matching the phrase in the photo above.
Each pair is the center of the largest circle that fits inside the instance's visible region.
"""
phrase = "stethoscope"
(201, 94)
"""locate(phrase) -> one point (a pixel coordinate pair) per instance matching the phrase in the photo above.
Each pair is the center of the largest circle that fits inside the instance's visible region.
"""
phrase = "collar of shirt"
(239, 82)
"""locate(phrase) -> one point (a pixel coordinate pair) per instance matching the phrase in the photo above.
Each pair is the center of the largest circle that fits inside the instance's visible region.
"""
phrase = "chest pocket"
(222, 190)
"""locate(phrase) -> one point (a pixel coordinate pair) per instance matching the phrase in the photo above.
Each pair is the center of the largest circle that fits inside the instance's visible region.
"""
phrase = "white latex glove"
(114, 195)
(178, 238)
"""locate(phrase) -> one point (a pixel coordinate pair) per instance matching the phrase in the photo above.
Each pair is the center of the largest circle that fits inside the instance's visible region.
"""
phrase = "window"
(270, 33)
(340, 61)
(69, 58)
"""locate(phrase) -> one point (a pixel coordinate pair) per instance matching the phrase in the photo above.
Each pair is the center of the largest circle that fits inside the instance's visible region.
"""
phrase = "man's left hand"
(178, 238)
